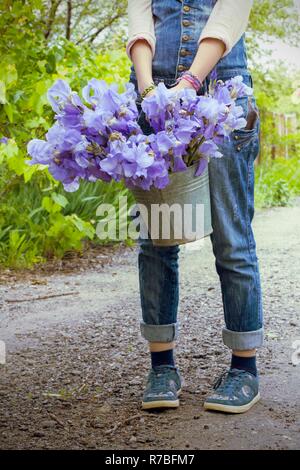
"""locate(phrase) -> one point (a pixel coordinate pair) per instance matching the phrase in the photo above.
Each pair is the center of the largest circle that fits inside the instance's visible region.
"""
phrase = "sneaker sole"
(229, 408)
(147, 405)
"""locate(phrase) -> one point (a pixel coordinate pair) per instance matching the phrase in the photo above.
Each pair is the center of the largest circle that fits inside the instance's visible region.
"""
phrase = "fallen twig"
(55, 418)
(127, 420)
(131, 418)
(41, 297)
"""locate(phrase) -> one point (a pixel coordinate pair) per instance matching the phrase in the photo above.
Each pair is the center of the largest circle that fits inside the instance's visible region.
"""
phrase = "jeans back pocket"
(243, 136)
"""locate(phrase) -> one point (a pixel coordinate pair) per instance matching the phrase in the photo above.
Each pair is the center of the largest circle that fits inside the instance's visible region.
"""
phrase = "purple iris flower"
(237, 87)
(112, 165)
(222, 95)
(184, 130)
(102, 139)
(58, 95)
(179, 164)
(209, 108)
(40, 151)
(210, 149)
(203, 162)
(162, 143)
(94, 90)
(158, 107)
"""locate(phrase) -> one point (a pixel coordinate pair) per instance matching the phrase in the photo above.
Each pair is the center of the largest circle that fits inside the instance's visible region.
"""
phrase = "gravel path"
(76, 362)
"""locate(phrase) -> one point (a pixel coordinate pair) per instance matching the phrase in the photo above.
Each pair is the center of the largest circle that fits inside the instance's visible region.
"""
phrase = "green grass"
(277, 182)
(36, 223)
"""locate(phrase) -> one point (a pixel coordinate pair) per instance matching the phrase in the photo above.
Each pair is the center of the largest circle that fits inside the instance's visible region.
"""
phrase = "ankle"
(158, 347)
(244, 363)
(162, 358)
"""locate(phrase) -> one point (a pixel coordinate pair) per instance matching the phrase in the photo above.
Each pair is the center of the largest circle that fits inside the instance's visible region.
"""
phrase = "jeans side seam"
(250, 248)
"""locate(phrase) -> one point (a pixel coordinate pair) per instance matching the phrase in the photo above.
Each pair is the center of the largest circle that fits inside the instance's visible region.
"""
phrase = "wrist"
(185, 84)
(191, 78)
(199, 74)
(142, 85)
(148, 90)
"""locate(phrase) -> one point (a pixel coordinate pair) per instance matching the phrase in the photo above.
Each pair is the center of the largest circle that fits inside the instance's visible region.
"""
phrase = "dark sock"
(162, 357)
(245, 363)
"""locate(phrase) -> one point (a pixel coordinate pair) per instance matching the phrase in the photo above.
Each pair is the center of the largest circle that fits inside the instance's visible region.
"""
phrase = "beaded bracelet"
(190, 77)
(149, 88)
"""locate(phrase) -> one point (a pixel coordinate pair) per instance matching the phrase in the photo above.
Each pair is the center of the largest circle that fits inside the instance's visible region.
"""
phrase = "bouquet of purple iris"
(98, 136)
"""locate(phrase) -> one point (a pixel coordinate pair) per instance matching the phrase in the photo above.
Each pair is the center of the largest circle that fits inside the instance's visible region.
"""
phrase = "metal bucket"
(179, 213)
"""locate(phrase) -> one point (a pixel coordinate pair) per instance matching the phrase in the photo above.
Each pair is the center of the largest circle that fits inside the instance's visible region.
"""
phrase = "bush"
(277, 182)
(38, 219)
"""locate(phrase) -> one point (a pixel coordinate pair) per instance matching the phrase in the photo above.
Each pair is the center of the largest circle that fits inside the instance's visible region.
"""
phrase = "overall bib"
(178, 25)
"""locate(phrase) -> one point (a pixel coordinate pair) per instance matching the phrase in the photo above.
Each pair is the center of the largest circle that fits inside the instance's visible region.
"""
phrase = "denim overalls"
(178, 24)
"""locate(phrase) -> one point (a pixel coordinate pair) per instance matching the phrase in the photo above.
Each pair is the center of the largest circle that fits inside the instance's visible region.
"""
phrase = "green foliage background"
(38, 220)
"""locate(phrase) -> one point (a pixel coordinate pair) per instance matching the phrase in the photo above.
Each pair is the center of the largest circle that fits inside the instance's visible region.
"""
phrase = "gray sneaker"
(236, 391)
(163, 388)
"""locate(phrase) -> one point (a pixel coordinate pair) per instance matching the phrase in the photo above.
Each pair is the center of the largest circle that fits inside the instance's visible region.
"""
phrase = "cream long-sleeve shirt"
(227, 22)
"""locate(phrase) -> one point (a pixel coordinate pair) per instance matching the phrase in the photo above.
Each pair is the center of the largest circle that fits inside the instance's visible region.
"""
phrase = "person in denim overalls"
(178, 25)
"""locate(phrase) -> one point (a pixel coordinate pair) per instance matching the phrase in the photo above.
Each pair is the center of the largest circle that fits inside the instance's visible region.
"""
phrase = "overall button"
(236, 137)
(186, 8)
(183, 52)
(182, 67)
(186, 23)
(238, 148)
(185, 37)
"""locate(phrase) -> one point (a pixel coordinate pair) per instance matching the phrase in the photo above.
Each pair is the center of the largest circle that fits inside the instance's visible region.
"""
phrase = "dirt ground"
(76, 363)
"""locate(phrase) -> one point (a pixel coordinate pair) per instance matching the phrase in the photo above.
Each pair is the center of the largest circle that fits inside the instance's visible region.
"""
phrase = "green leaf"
(60, 199)
(84, 227)
(17, 165)
(11, 149)
(50, 206)
(2, 93)
(28, 171)
(9, 74)
(41, 65)
(51, 64)
(36, 122)
(9, 109)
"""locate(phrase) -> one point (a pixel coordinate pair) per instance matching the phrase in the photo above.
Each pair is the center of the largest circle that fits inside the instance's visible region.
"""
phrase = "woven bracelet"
(190, 77)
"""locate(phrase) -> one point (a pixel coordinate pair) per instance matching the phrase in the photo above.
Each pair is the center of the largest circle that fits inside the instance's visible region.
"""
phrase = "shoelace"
(224, 384)
(160, 379)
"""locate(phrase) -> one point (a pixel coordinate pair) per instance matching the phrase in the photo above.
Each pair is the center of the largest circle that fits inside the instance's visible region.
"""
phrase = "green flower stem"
(193, 147)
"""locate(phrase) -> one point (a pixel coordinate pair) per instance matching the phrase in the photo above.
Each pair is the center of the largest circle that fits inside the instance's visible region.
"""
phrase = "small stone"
(106, 408)
(38, 434)
(21, 428)
(84, 442)
(205, 426)
(48, 424)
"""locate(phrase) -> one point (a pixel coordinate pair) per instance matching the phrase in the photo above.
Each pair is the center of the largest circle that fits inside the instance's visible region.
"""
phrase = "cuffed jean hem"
(243, 340)
(159, 333)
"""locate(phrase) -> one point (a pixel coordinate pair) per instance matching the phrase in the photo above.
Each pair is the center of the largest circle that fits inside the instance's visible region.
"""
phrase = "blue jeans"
(233, 244)
(178, 25)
